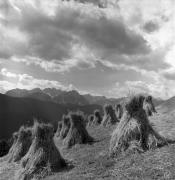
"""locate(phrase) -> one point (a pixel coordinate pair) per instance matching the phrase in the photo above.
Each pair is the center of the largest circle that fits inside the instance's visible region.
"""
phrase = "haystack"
(59, 128)
(148, 106)
(15, 137)
(90, 120)
(65, 127)
(134, 130)
(109, 117)
(97, 118)
(119, 111)
(21, 144)
(43, 156)
(13, 140)
(84, 117)
(77, 133)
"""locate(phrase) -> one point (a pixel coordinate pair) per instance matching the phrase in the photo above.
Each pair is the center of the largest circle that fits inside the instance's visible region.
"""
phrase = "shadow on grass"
(67, 166)
(168, 142)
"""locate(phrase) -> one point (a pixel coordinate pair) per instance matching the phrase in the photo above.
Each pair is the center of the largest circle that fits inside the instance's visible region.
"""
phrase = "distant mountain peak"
(66, 97)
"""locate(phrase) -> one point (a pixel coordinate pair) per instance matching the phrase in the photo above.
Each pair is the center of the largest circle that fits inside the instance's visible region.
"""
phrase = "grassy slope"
(92, 161)
(15, 112)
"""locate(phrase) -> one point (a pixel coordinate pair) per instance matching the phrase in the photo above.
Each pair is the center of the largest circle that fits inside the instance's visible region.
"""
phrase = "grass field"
(88, 162)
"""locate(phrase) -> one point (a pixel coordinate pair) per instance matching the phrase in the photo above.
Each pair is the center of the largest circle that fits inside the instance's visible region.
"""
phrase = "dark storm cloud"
(169, 75)
(99, 3)
(52, 37)
(150, 27)
(153, 61)
(47, 39)
(111, 36)
(4, 55)
(100, 77)
(4, 6)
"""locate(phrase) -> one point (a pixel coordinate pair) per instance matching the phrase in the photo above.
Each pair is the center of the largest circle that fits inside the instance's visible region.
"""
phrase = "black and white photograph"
(87, 89)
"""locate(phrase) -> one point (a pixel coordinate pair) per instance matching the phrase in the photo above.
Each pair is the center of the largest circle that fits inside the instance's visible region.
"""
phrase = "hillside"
(62, 97)
(53, 91)
(72, 97)
(21, 106)
(101, 100)
(167, 106)
(67, 97)
(158, 101)
(15, 112)
(34, 93)
(92, 161)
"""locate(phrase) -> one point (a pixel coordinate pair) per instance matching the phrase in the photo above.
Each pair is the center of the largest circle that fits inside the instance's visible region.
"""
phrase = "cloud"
(136, 14)
(5, 86)
(81, 58)
(138, 87)
(28, 82)
(112, 37)
(105, 41)
(25, 81)
(4, 72)
(150, 27)
(157, 89)
(52, 37)
(170, 75)
(49, 66)
(53, 41)
(154, 61)
(99, 3)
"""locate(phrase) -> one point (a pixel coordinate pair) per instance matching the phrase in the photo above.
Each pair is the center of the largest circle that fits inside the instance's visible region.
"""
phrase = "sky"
(102, 47)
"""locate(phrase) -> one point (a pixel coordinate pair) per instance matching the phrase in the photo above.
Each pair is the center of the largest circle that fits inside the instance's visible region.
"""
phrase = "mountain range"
(67, 97)
(62, 97)
(20, 106)
(17, 111)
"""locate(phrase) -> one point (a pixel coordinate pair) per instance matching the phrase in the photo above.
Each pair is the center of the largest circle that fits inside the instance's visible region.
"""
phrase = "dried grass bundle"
(109, 117)
(134, 128)
(59, 128)
(65, 127)
(97, 118)
(21, 144)
(90, 120)
(119, 111)
(43, 157)
(77, 133)
(148, 106)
